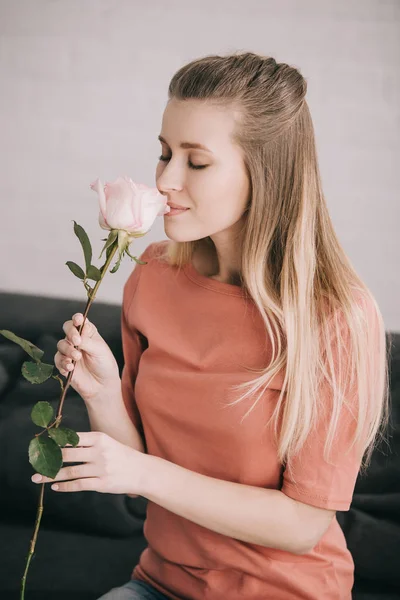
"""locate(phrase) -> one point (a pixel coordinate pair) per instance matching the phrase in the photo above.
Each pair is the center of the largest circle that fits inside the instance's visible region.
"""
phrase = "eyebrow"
(187, 145)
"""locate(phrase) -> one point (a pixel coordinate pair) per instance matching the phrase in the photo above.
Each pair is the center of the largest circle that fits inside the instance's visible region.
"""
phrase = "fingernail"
(36, 478)
(76, 340)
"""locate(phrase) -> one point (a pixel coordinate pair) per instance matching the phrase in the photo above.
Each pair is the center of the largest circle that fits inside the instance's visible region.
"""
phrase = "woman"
(251, 292)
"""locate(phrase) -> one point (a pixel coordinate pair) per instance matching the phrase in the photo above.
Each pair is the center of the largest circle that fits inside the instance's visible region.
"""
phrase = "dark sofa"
(88, 542)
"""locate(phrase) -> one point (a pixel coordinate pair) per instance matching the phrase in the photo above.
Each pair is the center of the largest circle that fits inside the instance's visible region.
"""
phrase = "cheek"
(229, 192)
(209, 186)
(158, 171)
(219, 192)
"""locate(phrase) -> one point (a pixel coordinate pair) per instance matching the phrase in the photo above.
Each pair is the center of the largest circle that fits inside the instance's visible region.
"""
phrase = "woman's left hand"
(109, 466)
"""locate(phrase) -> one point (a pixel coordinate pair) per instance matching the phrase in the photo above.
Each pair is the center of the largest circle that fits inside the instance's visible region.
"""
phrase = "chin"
(176, 237)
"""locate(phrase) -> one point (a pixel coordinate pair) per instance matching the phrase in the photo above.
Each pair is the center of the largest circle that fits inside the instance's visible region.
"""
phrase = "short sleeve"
(133, 341)
(329, 484)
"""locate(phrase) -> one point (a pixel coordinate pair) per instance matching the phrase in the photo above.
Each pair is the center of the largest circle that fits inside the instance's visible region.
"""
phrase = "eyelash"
(191, 165)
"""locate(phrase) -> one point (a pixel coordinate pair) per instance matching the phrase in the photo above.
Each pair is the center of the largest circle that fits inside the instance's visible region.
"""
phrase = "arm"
(252, 514)
(107, 413)
(114, 412)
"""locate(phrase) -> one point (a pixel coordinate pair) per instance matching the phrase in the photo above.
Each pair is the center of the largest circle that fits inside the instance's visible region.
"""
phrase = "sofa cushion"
(66, 564)
(111, 514)
(11, 358)
(88, 511)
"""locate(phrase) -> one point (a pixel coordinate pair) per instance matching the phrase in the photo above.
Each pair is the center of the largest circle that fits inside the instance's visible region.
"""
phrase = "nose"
(168, 181)
(166, 187)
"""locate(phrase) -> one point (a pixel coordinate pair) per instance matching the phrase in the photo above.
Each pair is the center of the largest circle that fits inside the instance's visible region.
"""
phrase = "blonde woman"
(255, 384)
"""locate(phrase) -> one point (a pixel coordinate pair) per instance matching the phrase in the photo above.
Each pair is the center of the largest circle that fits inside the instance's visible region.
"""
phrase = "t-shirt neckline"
(212, 284)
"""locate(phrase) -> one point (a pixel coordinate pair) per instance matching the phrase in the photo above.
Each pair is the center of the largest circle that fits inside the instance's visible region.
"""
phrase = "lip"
(175, 212)
(177, 206)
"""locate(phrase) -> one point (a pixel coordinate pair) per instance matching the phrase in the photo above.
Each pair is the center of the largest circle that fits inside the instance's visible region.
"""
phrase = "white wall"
(83, 87)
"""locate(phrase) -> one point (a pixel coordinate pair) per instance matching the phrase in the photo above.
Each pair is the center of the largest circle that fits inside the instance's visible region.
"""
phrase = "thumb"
(89, 337)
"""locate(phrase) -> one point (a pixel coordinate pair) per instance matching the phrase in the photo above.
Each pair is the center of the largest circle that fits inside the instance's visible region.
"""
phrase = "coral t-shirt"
(186, 338)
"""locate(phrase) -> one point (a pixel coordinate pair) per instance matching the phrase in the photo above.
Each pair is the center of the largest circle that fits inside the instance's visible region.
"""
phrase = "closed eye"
(191, 165)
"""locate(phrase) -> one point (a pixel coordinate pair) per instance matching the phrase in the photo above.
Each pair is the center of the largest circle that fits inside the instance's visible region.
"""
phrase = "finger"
(88, 333)
(68, 351)
(68, 473)
(77, 454)
(72, 333)
(89, 328)
(89, 438)
(61, 364)
(91, 484)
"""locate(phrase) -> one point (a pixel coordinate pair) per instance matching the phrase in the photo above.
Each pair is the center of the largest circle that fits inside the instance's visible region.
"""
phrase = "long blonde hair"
(327, 333)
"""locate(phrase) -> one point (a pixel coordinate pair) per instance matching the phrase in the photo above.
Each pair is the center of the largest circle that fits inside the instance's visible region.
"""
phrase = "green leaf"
(109, 251)
(93, 273)
(59, 435)
(85, 243)
(73, 437)
(139, 262)
(45, 456)
(42, 413)
(33, 351)
(76, 269)
(36, 372)
(116, 266)
(110, 240)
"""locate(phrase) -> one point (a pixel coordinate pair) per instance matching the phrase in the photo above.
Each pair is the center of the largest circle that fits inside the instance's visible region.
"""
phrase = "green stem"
(33, 540)
(87, 307)
(58, 420)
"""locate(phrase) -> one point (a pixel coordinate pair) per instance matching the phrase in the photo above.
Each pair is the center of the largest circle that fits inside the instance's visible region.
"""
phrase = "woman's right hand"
(95, 368)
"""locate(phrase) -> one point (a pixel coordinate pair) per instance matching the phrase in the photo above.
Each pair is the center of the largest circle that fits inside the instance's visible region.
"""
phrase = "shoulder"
(143, 259)
(362, 307)
(155, 251)
(144, 274)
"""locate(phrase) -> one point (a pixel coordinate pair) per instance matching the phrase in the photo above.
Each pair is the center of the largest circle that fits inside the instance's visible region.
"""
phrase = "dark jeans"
(134, 590)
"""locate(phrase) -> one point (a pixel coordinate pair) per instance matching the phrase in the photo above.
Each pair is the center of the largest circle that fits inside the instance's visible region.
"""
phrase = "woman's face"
(217, 193)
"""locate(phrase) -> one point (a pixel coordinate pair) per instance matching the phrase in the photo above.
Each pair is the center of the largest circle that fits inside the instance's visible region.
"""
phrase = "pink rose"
(132, 207)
